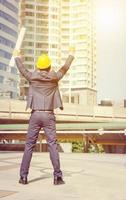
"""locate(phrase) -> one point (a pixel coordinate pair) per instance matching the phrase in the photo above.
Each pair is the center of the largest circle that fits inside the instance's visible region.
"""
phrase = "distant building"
(8, 36)
(106, 103)
(56, 27)
(117, 103)
(124, 103)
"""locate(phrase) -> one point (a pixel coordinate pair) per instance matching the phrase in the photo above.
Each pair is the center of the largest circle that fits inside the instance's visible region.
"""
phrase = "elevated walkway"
(92, 125)
(15, 110)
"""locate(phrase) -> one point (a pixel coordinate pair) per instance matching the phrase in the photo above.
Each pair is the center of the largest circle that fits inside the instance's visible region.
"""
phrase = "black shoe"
(58, 181)
(23, 180)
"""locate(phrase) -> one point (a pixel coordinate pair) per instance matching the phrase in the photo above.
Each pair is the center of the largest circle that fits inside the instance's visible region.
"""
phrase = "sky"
(111, 49)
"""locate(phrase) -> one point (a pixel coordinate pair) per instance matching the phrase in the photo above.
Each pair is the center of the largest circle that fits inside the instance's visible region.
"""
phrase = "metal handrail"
(72, 131)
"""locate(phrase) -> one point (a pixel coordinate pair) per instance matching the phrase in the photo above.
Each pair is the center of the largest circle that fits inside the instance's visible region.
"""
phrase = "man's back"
(43, 91)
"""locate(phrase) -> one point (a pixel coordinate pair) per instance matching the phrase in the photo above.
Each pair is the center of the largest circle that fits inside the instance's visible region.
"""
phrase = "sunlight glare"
(108, 17)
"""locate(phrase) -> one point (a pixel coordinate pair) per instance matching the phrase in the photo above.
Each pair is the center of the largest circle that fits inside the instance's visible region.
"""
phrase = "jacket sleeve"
(27, 74)
(62, 71)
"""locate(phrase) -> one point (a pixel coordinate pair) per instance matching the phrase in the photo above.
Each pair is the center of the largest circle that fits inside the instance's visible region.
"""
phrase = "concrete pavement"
(87, 177)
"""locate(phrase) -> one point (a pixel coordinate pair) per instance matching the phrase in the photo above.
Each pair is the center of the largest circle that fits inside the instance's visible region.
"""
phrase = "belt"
(42, 111)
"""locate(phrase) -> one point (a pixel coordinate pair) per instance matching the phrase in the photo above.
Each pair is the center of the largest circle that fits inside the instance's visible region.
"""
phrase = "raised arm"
(62, 71)
(22, 69)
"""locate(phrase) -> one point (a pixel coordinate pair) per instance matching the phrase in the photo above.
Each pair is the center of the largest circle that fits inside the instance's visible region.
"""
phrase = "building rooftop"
(87, 176)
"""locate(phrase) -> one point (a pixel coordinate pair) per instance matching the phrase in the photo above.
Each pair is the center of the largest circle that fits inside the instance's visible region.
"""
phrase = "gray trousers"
(38, 120)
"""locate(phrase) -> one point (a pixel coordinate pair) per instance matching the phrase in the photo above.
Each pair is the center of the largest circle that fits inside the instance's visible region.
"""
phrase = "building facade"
(56, 27)
(79, 34)
(8, 36)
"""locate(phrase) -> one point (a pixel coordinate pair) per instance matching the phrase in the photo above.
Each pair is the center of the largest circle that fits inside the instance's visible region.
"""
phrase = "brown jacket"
(43, 86)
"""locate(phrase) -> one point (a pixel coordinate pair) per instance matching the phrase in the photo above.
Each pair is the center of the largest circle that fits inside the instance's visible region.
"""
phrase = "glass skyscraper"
(8, 36)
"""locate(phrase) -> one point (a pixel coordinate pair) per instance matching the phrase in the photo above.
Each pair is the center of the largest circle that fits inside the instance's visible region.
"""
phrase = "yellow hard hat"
(43, 61)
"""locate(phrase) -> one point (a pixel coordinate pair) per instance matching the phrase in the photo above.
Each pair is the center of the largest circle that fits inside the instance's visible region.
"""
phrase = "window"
(29, 51)
(7, 42)
(1, 79)
(41, 37)
(3, 66)
(14, 83)
(29, 13)
(30, 44)
(53, 45)
(6, 29)
(42, 8)
(30, 28)
(29, 6)
(29, 59)
(40, 30)
(9, 6)
(54, 16)
(54, 9)
(41, 45)
(29, 36)
(5, 54)
(42, 1)
(41, 15)
(72, 100)
(29, 21)
(8, 18)
(13, 70)
(65, 99)
(42, 23)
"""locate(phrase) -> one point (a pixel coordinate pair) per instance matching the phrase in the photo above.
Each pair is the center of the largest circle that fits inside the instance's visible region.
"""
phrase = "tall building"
(8, 37)
(78, 33)
(41, 20)
(56, 27)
